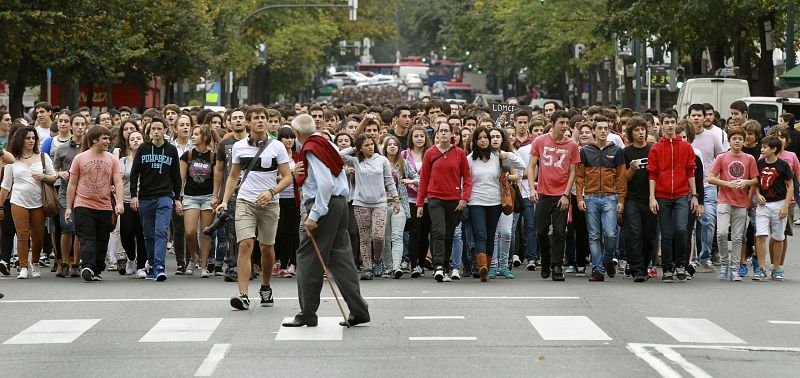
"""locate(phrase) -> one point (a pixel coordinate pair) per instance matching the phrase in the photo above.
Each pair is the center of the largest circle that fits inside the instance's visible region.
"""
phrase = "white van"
(716, 91)
(766, 110)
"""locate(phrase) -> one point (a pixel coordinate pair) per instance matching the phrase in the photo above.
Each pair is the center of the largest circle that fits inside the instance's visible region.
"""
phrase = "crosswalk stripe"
(181, 329)
(567, 328)
(785, 322)
(433, 317)
(693, 330)
(442, 338)
(327, 329)
(62, 331)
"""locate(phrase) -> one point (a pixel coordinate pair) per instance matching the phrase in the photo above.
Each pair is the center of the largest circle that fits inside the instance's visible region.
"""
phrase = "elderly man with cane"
(325, 241)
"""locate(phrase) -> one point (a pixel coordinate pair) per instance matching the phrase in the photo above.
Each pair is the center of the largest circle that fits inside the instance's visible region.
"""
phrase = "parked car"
(766, 110)
(413, 81)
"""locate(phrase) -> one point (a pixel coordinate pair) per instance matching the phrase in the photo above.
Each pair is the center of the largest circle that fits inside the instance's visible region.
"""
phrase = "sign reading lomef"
(499, 109)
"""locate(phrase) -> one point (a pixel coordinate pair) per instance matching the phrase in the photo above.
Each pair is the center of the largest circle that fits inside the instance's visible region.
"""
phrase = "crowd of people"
(432, 187)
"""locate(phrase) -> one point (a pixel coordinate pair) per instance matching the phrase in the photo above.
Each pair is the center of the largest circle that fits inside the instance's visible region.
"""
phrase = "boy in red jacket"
(670, 167)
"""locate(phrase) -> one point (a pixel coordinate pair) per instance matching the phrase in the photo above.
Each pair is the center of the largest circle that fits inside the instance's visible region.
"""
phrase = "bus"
(444, 70)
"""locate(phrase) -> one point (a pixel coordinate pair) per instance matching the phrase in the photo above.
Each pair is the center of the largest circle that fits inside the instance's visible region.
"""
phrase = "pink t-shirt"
(732, 167)
(554, 161)
(95, 176)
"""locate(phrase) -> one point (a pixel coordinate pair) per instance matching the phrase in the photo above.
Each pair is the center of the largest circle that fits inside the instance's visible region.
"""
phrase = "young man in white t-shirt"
(257, 202)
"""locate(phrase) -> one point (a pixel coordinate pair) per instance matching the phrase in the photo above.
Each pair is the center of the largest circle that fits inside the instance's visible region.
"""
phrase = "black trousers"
(7, 232)
(93, 227)
(640, 236)
(444, 219)
(287, 237)
(418, 231)
(132, 236)
(577, 238)
(548, 214)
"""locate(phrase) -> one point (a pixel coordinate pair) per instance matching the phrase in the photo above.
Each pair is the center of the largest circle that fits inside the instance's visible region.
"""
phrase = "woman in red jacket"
(447, 184)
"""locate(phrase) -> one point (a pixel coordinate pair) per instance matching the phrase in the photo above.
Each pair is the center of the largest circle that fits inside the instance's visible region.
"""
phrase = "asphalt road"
(125, 327)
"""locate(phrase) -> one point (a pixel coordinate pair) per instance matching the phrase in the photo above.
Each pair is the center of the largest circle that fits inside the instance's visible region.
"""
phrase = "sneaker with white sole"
(130, 267)
(23, 274)
(241, 302)
(35, 272)
(87, 274)
(447, 278)
(723, 272)
(204, 273)
(735, 277)
(189, 269)
(266, 298)
(141, 273)
(570, 269)
(531, 266)
(516, 261)
(456, 275)
(438, 274)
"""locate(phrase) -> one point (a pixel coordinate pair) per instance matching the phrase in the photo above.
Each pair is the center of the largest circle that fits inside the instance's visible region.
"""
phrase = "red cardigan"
(444, 181)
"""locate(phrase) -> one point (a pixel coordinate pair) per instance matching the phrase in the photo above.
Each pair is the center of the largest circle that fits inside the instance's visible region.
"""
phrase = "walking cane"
(328, 277)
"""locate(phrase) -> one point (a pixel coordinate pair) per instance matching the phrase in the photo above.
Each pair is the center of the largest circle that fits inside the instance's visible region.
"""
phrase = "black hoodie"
(156, 169)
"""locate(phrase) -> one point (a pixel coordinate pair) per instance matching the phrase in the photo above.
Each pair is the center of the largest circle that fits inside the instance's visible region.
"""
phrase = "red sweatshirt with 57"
(444, 180)
(671, 164)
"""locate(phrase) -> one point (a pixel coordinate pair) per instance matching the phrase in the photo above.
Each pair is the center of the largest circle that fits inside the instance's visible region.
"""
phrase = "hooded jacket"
(671, 163)
(156, 172)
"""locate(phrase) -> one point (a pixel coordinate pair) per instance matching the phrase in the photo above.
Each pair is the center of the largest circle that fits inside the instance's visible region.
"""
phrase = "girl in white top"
(418, 228)
(484, 204)
(506, 226)
(131, 232)
(25, 176)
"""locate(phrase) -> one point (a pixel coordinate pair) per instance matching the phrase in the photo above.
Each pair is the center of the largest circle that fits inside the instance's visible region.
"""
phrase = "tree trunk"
(628, 101)
(17, 90)
(90, 96)
(696, 64)
(765, 85)
(612, 79)
(717, 55)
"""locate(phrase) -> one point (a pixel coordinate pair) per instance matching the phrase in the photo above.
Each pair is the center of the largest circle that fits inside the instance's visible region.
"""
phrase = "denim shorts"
(66, 227)
(197, 202)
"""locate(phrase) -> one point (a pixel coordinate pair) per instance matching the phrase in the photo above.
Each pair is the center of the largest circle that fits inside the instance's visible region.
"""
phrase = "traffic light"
(467, 53)
(680, 77)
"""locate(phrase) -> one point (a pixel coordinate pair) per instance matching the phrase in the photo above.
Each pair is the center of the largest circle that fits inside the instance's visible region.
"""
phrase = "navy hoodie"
(156, 170)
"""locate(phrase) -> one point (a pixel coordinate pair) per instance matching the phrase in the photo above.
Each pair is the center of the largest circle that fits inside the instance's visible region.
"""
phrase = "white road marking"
(432, 317)
(442, 338)
(215, 356)
(659, 366)
(692, 330)
(181, 329)
(785, 322)
(567, 328)
(62, 331)
(328, 329)
(95, 300)
(675, 357)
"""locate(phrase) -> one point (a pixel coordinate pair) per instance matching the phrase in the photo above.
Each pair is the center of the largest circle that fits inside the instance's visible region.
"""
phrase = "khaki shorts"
(250, 218)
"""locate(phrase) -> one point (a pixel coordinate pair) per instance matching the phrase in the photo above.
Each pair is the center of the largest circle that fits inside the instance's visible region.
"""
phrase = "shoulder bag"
(50, 204)
(506, 192)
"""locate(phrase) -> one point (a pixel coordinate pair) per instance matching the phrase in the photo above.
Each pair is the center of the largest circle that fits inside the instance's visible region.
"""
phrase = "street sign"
(497, 109)
(659, 78)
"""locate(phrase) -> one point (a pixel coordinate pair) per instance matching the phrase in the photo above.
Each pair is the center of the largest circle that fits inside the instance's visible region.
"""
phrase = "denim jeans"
(531, 244)
(640, 236)
(458, 248)
(393, 241)
(736, 218)
(708, 222)
(601, 222)
(672, 216)
(155, 214)
(502, 241)
(484, 225)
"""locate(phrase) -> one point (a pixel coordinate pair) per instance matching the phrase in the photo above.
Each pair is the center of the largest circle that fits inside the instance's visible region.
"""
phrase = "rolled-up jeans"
(601, 222)
(672, 216)
(736, 218)
(502, 241)
(393, 240)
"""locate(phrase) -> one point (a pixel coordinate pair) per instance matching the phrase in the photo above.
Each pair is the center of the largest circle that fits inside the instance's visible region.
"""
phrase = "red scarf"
(322, 150)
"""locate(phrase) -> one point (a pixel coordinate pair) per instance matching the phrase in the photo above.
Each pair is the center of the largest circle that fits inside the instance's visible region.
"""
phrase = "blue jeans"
(531, 243)
(601, 221)
(502, 241)
(708, 222)
(156, 215)
(672, 216)
(484, 225)
(458, 248)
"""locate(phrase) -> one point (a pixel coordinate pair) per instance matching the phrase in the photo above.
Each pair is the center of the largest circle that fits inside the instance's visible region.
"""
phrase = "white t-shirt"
(289, 191)
(18, 179)
(616, 139)
(263, 176)
(525, 154)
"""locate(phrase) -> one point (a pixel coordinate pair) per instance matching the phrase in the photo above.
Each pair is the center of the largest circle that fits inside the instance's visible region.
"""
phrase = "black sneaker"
(87, 274)
(62, 273)
(558, 273)
(230, 276)
(97, 277)
(218, 271)
(545, 272)
(266, 298)
(639, 279)
(4, 268)
(680, 273)
(181, 270)
(580, 271)
(241, 302)
(611, 268)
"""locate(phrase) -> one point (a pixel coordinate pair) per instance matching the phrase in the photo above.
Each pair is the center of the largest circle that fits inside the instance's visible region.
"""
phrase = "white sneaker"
(189, 269)
(204, 273)
(456, 275)
(797, 222)
(23, 274)
(35, 272)
(516, 261)
(141, 273)
(447, 278)
(130, 267)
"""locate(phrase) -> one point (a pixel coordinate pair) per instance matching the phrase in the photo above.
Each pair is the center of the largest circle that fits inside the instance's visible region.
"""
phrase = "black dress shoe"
(353, 322)
(558, 273)
(299, 322)
(545, 272)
